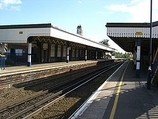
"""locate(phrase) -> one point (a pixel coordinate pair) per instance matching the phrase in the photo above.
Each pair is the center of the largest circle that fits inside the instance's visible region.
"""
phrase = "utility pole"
(150, 54)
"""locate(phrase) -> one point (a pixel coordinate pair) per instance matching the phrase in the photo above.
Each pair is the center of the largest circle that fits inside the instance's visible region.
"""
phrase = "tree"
(121, 55)
(105, 42)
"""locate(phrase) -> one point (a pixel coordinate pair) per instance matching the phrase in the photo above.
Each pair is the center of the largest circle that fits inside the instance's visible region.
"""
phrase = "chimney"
(79, 29)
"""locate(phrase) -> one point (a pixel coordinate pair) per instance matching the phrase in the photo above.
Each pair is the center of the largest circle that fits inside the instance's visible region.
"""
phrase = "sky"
(92, 15)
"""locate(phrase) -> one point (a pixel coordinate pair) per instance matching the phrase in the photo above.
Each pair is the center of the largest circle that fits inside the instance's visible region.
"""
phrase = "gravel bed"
(13, 94)
(10, 95)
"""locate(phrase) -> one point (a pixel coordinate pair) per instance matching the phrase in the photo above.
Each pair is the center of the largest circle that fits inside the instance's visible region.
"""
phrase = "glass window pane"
(59, 51)
(64, 51)
(52, 50)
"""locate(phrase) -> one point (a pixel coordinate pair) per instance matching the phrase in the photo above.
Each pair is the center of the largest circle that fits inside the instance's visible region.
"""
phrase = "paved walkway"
(123, 97)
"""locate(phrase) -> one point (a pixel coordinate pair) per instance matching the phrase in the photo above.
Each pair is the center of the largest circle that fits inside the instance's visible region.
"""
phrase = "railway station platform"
(122, 97)
(24, 68)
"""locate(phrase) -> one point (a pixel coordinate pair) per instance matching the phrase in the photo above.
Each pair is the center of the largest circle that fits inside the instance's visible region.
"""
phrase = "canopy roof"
(21, 33)
(125, 34)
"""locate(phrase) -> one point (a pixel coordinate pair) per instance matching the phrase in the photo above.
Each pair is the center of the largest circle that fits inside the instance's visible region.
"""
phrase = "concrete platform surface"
(42, 66)
(123, 97)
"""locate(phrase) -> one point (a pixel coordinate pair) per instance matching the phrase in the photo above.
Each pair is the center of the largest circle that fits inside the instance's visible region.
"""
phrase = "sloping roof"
(20, 33)
(131, 24)
(46, 25)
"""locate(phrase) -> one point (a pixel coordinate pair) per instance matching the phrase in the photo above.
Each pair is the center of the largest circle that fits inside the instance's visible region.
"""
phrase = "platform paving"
(25, 68)
(133, 101)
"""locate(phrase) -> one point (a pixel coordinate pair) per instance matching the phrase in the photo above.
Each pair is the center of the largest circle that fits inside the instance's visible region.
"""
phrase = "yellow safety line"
(117, 96)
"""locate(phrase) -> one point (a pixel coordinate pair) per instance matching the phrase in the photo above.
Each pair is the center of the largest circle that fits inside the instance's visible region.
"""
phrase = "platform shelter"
(135, 38)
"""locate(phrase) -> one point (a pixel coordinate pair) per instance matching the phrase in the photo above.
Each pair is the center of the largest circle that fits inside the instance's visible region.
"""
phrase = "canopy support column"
(29, 54)
(96, 55)
(85, 54)
(67, 55)
(138, 58)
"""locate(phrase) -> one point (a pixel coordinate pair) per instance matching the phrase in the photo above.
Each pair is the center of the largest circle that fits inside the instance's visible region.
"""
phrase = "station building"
(38, 43)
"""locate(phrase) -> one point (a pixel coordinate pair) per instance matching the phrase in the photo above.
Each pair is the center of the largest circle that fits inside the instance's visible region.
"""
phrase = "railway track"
(23, 108)
(73, 99)
(23, 90)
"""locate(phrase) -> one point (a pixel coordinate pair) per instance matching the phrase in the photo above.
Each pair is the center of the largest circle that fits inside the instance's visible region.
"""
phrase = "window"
(77, 53)
(59, 51)
(64, 51)
(52, 50)
(73, 52)
(18, 52)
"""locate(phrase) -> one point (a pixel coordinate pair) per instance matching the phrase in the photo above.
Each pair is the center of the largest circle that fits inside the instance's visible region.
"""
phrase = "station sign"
(138, 33)
(20, 32)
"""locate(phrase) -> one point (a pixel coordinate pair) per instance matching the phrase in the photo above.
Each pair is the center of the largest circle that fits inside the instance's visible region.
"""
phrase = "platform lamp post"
(150, 54)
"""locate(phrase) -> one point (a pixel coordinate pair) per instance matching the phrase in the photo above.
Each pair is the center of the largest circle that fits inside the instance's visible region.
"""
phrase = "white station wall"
(21, 35)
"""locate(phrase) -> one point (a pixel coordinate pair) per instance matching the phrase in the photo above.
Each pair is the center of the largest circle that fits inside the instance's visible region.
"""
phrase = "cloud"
(10, 4)
(0, 5)
(79, 1)
(139, 10)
